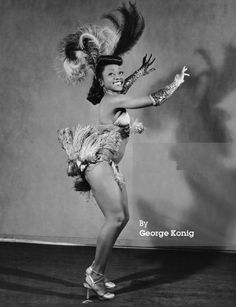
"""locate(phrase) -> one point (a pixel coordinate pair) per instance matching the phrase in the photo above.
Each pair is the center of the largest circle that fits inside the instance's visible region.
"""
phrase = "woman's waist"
(107, 155)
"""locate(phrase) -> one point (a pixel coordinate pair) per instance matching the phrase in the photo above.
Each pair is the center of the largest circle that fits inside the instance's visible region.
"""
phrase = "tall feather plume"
(79, 51)
(130, 27)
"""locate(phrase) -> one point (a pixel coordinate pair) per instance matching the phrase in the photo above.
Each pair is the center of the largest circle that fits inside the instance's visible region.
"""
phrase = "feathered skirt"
(89, 145)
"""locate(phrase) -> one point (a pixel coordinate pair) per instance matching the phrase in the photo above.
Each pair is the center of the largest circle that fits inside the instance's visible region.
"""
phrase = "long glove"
(142, 71)
(161, 95)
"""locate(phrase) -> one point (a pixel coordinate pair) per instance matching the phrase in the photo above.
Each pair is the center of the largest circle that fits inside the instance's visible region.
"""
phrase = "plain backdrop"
(180, 172)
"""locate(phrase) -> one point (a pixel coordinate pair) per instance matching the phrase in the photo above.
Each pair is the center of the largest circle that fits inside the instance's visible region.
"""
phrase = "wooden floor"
(42, 275)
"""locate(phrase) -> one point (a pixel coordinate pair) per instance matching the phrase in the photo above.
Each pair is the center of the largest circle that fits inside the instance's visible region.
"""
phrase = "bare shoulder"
(109, 107)
(113, 102)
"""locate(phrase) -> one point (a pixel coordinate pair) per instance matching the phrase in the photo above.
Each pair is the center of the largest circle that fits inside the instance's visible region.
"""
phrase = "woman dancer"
(94, 152)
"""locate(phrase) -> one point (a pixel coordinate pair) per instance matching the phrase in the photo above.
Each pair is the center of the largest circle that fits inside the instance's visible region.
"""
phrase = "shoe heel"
(99, 290)
(87, 294)
(87, 287)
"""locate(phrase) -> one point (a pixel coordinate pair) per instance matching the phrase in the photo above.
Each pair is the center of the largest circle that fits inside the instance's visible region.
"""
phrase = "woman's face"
(112, 78)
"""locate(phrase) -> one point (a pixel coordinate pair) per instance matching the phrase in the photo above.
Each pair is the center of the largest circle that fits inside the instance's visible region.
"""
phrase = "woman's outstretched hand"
(179, 78)
(146, 64)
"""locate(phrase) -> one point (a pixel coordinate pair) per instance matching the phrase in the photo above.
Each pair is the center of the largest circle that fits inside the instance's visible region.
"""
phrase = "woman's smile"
(118, 84)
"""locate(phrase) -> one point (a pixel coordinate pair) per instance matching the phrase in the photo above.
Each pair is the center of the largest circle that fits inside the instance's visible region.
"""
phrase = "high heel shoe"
(97, 286)
(109, 284)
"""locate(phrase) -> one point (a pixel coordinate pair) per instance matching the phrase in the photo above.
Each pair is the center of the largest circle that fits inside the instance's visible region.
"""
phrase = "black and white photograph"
(118, 153)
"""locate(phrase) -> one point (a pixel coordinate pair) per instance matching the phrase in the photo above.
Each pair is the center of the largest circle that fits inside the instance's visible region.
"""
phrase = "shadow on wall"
(202, 145)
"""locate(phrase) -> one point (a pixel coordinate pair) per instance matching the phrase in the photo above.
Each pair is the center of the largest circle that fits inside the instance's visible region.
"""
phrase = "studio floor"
(46, 275)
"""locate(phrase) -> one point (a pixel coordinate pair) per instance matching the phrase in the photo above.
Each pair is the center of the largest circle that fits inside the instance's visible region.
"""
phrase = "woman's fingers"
(152, 62)
(184, 69)
(148, 61)
(149, 58)
(144, 59)
(183, 72)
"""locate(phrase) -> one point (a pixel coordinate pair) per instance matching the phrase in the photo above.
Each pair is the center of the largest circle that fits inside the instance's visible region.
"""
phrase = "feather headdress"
(79, 51)
(130, 28)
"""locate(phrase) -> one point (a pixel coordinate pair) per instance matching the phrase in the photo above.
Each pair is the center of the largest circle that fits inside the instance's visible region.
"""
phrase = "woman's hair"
(96, 92)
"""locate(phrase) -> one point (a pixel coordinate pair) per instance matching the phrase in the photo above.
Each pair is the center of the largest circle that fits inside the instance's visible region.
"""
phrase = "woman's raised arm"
(142, 71)
(154, 99)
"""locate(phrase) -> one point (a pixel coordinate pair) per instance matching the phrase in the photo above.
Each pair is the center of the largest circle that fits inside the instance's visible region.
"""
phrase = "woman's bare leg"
(112, 200)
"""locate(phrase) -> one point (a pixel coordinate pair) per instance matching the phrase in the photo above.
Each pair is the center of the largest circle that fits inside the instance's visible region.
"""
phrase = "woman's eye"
(121, 73)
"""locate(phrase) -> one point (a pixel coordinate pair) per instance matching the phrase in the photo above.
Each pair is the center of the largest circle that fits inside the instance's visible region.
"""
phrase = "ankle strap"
(97, 273)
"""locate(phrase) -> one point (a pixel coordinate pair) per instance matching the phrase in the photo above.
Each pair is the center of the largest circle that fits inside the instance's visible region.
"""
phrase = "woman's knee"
(120, 219)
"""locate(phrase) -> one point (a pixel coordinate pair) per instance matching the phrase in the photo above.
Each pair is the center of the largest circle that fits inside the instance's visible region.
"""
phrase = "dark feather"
(130, 27)
(69, 45)
(114, 19)
(92, 50)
